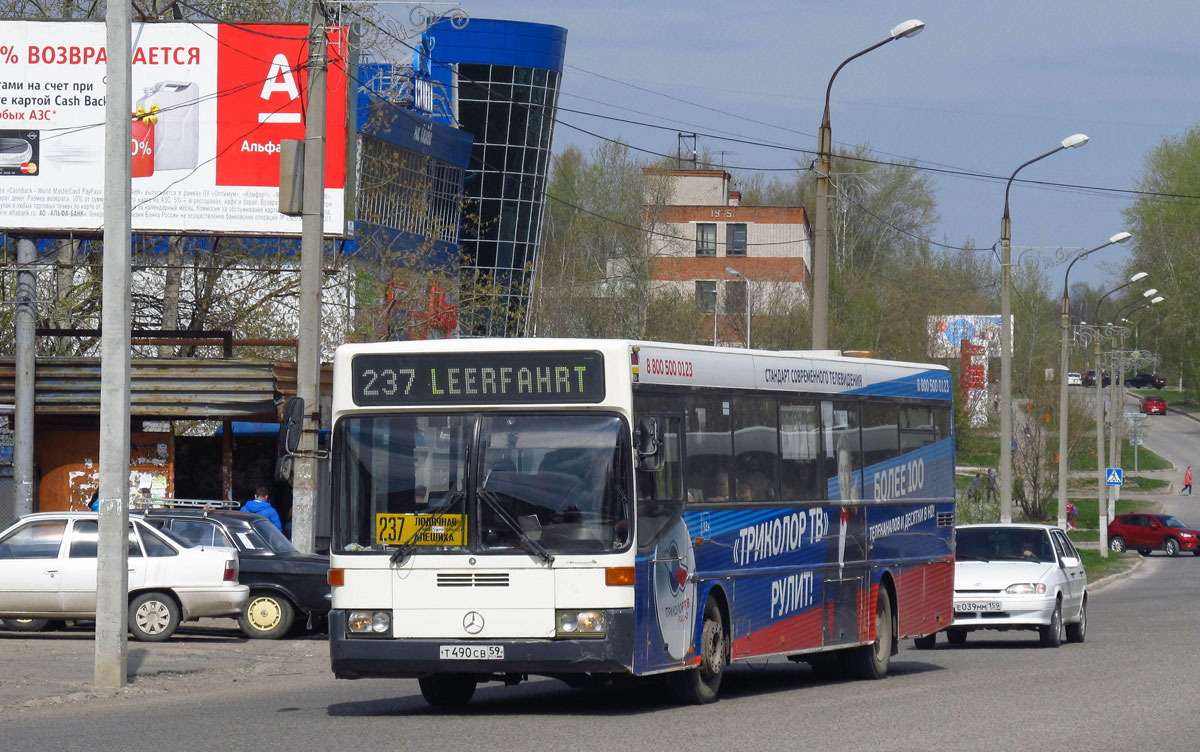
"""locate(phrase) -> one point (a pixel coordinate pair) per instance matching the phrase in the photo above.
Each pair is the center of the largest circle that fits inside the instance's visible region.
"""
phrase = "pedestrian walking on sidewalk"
(1187, 482)
(991, 490)
(973, 489)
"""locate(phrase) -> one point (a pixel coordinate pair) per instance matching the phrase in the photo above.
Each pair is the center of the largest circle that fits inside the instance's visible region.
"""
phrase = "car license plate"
(472, 652)
(973, 607)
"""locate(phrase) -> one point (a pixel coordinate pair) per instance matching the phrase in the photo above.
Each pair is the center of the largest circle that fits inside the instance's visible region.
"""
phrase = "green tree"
(1166, 237)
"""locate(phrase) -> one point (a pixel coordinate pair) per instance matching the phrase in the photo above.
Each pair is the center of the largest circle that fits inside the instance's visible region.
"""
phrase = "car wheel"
(447, 690)
(699, 686)
(957, 636)
(1144, 551)
(1117, 543)
(871, 661)
(266, 616)
(153, 617)
(25, 625)
(1077, 632)
(1052, 633)
(925, 643)
(1170, 547)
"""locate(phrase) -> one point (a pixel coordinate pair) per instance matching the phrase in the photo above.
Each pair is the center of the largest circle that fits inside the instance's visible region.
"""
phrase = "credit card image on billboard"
(19, 152)
(177, 132)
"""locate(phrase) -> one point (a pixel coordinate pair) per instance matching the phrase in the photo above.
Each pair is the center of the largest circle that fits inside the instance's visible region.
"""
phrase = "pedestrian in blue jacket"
(260, 505)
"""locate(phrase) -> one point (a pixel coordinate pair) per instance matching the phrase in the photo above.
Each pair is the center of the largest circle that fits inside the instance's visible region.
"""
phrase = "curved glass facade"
(507, 95)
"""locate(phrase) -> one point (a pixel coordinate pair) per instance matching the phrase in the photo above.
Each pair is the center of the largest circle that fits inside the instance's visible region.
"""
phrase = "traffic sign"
(1115, 476)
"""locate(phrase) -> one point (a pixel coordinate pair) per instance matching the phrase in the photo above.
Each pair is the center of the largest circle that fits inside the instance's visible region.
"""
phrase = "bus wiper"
(402, 552)
(971, 557)
(489, 498)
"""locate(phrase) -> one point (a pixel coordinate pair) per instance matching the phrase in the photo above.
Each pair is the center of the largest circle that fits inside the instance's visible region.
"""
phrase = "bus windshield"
(502, 481)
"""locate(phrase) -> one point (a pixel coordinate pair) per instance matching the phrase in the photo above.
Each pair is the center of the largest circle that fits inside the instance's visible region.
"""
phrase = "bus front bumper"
(386, 657)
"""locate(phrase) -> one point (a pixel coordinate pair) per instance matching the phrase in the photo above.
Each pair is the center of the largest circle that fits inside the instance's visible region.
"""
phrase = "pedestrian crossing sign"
(1115, 475)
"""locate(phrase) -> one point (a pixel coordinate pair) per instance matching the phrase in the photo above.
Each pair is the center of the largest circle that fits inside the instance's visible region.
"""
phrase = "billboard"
(211, 103)
(946, 334)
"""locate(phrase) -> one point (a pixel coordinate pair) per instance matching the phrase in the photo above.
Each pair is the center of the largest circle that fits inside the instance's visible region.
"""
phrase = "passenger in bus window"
(745, 490)
(720, 487)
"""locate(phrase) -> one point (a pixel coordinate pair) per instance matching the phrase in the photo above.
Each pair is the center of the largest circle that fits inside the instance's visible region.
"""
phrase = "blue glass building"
(504, 78)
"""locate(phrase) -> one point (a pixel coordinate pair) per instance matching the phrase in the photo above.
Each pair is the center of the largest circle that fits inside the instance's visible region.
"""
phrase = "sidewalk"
(56, 667)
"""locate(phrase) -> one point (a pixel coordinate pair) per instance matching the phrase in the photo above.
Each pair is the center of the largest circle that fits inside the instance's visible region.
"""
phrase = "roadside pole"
(308, 355)
(23, 409)
(112, 577)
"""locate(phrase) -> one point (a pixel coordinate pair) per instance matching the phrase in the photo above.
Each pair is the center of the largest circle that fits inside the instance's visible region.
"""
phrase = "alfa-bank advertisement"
(211, 103)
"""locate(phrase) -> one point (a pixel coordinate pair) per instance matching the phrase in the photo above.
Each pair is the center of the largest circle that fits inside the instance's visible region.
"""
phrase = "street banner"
(211, 103)
(946, 334)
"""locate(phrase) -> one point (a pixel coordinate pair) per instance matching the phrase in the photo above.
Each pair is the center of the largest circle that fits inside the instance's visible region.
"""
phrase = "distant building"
(703, 229)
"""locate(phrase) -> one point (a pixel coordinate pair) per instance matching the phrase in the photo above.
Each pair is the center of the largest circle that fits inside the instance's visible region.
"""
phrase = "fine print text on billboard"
(946, 334)
(211, 104)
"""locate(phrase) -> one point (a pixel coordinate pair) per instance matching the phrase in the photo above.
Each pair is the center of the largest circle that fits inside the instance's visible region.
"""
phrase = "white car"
(48, 571)
(1074, 379)
(1018, 577)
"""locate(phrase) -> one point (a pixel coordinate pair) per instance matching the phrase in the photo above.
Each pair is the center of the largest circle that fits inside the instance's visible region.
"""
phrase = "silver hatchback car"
(48, 569)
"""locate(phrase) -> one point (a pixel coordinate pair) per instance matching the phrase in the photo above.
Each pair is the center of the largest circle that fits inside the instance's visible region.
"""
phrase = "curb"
(1110, 579)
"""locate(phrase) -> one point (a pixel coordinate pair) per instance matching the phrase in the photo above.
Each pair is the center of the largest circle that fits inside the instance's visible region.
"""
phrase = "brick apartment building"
(704, 229)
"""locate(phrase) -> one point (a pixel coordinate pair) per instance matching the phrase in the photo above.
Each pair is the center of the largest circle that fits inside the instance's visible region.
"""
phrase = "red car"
(1147, 532)
(1153, 405)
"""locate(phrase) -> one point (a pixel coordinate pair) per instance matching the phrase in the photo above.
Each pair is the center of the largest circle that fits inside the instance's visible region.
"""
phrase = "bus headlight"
(580, 623)
(369, 622)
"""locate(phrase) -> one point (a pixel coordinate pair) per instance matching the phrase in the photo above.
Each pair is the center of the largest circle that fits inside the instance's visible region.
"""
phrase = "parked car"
(283, 582)
(48, 569)
(1145, 381)
(1145, 533)
(1089, 379)
(1152, 404)
(1074, 379)
(1018, 577)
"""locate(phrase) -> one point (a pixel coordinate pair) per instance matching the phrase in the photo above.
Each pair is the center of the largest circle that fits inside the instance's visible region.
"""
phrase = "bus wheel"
(872, 660)
(447, 690)
(699, 686)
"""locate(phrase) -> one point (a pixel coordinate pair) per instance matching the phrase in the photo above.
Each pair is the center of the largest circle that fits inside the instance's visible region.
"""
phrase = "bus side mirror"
(289, 437)
(648, 441)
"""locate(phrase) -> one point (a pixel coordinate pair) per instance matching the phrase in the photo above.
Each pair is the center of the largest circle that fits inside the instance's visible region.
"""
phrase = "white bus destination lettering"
(505, 380)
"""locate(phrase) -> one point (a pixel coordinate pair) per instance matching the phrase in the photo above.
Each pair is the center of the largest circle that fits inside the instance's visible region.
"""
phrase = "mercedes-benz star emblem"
(473, 622)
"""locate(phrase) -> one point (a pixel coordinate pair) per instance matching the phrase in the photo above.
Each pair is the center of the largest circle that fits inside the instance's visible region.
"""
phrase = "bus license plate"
(472, 652)
(974, 607)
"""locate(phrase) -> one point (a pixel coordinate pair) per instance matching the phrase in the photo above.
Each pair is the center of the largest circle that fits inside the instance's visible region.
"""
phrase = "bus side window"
(709, 447)
(843, 449)
(800, 450)
(755, 449)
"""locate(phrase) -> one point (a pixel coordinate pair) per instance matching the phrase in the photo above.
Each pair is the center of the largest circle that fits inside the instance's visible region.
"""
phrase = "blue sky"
(985, 86)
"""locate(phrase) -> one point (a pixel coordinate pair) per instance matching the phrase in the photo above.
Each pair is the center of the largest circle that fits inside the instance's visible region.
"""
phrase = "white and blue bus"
(595, 509)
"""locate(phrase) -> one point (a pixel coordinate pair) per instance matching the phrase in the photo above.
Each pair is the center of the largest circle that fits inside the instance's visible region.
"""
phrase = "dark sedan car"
(1145, 381)
(1089, 379)
(282, 581)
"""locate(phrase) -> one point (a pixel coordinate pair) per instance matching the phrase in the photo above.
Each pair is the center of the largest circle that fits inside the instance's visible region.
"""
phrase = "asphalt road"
(1133, 684)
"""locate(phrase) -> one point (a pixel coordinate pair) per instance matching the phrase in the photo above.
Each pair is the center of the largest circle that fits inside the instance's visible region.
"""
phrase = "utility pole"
(1102, 507)
(112, 577)
(308, 355)
(23, 410)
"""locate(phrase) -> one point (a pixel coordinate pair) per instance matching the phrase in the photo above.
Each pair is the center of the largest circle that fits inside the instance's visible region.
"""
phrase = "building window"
(706, 239)
(706, 295)
(735, 240)
(735, 297)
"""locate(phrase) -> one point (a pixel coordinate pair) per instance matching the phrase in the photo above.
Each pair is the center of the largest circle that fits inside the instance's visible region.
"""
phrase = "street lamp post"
(1063, 401)
(736, 273)
(1006, 334)
(820, 265)
(1101, 485)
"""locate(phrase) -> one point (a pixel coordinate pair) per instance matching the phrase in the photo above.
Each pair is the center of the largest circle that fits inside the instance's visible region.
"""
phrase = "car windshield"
(1171, 521)
(1003, 544)
(556, 482)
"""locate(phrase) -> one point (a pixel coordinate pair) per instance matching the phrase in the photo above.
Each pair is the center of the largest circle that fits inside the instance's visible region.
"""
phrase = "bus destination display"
(478, 378)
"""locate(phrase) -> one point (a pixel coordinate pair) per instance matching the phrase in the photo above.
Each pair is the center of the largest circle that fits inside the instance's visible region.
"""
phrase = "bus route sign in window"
(478, 378)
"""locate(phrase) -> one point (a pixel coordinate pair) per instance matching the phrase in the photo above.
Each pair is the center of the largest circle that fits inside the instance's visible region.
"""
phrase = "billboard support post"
(23, 409)
(112, 578)
(308, 355)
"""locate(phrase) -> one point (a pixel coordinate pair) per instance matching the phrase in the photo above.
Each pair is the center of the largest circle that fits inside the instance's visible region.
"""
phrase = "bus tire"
(871, 661)
(447, 690)
(699, 686)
